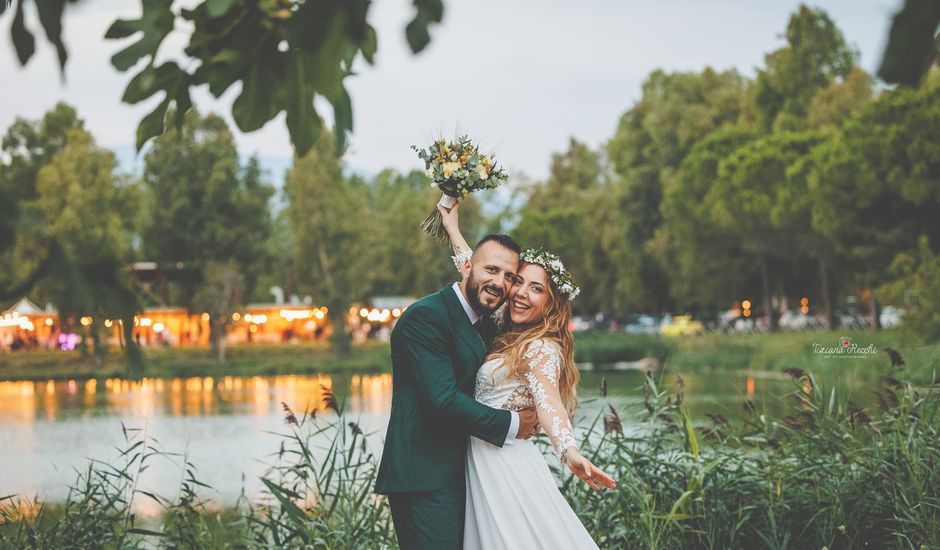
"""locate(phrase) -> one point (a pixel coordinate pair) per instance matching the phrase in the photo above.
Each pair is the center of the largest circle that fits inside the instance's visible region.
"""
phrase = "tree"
(85, 234)
(204, 209)
(569, 214)
(330, 221)
(915, 286)
(305, 49)
(875, 185)
(815, 55)
(404, 259)
(708, 266)
(220, 295)
(284, 53)
(753, 186)
(676, 111)
(27, 146)
(833, 105)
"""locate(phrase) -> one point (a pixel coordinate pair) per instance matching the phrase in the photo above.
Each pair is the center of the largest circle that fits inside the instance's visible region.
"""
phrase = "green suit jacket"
(436, 354)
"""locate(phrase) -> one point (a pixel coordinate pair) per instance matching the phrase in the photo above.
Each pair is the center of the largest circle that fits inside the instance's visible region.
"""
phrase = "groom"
(438, 345)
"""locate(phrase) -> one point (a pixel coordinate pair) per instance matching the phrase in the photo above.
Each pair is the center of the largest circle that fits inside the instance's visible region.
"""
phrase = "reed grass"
(826, 474)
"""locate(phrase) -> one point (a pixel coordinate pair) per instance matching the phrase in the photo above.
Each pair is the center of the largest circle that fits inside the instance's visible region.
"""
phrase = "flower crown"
(556, 271)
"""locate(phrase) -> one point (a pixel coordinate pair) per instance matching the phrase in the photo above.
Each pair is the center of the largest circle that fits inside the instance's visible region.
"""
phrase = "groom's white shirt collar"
(472, 315)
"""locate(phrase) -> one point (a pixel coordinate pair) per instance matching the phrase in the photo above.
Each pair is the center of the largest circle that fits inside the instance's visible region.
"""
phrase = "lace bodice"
(497, 387)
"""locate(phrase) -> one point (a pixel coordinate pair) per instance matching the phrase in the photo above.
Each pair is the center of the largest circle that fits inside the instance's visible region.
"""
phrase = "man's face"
(492, 273)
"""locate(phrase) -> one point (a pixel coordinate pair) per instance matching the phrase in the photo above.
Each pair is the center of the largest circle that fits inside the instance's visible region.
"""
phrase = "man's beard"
(473, 296)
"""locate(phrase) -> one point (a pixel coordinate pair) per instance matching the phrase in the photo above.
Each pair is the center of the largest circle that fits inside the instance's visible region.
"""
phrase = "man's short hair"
(504, 240)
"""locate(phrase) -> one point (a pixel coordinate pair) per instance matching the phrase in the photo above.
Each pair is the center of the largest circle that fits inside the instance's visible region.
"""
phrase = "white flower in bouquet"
(450, 168)
(463, 170)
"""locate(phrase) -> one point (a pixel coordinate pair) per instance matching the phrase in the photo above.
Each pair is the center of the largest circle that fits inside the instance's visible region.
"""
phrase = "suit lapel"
(462, 327)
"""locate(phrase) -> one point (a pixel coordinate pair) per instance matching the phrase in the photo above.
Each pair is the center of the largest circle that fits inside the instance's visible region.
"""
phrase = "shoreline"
(610, 351)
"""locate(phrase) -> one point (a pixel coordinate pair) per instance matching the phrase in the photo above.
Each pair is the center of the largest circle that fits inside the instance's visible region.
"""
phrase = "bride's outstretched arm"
(544, 368)
(451, 223)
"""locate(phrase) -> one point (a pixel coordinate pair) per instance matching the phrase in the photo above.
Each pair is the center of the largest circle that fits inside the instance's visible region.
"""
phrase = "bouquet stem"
(433, 225)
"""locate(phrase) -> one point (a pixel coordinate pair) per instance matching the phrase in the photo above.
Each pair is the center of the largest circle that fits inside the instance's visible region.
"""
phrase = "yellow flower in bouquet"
(456, 168)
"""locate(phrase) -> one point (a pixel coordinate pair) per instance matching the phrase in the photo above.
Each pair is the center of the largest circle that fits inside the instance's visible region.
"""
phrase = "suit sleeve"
(422, 342)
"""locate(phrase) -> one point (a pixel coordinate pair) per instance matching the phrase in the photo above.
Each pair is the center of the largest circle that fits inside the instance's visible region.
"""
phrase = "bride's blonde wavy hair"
(554, 326)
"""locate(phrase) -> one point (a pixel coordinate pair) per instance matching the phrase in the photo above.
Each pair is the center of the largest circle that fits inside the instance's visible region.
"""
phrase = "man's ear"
(465, 269)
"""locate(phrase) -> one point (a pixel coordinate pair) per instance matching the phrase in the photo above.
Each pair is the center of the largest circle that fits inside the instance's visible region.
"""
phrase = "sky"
(519, 76)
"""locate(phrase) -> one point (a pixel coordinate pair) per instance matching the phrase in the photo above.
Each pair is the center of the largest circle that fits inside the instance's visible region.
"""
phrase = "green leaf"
(152, 79)
(256, 104)
(326, 71)
(148, 532)
(303, 123)
(429, 11)
(911, 43)
(155, 23)
(690, 433)
(370, 45)
(343, 116)
(418, 35)
(23, 40)
(218, 8)
(50, 16)
(172, 80)
(152, 124)
(219, 72)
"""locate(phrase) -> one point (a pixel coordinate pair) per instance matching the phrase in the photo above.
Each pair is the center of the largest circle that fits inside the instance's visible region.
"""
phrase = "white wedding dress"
(513, 501)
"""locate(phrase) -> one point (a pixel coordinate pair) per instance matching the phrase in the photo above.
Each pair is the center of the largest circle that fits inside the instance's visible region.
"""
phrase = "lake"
(226, 426)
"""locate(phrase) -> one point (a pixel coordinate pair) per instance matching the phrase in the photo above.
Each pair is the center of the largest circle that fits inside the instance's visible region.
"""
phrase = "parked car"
(852, 319)
(890, 316)
(579, 323)
(681, 325)
(795, 320)
(643, 324)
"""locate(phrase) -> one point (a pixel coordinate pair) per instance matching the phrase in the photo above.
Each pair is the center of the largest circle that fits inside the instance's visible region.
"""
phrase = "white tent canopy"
(24, 307)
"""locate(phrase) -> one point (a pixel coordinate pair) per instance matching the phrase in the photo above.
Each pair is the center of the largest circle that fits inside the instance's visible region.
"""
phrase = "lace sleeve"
(461, 257)
(544, 362)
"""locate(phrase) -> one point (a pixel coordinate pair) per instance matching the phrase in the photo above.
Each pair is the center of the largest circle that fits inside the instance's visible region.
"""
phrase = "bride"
(513, 501)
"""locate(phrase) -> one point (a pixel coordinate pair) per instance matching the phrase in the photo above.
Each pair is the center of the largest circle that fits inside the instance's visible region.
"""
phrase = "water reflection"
(225, 424)
(28, 402)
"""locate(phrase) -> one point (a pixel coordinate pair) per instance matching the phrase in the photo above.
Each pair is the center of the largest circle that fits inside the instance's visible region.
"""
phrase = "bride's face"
(530, 294)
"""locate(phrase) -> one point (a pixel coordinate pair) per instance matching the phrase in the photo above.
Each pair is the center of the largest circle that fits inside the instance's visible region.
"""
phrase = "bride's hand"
(450, 218)
(587, 472)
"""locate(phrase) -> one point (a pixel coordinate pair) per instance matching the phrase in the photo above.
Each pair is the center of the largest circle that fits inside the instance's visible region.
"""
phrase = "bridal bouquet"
(456, 168)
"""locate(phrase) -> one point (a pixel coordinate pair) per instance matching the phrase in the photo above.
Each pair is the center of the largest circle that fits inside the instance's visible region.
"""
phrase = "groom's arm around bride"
(436, 353)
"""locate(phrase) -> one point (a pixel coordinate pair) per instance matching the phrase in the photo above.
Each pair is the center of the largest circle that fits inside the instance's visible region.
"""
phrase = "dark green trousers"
(430, 521)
